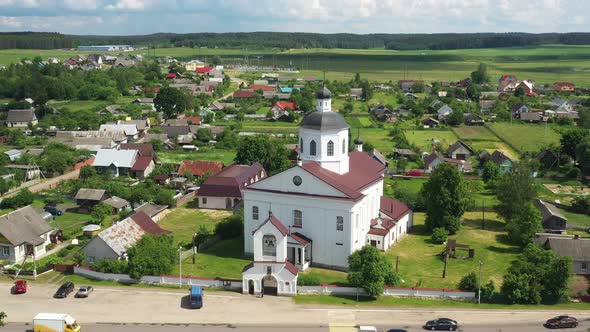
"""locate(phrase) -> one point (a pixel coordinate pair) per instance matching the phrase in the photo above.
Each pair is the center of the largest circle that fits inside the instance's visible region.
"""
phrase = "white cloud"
(126, 5)
(82, 4)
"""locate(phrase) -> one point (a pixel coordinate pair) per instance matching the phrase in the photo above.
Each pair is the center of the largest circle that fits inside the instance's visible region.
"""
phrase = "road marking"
(343, 327)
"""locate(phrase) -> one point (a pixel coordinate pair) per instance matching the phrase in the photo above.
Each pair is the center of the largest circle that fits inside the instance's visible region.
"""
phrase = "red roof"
(284, 104)
(561, 85)
(302, 239)
(204, 70)
(243, 94)
(363, 171)
(196, 120)
(276, 223)
(291, 268)
(392, 208)
(171, 75)
(142, 163)
(147, 224)
(230, 181)
(200, 167)
(262, 87)
(144, 149)
(84, 163)
(509, 77)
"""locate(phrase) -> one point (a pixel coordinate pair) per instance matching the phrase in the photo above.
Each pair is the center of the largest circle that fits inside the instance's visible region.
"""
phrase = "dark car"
(445, 324)
(53, 210)
(397, 330)
(20, 287)
(64, 290)
(561, 322)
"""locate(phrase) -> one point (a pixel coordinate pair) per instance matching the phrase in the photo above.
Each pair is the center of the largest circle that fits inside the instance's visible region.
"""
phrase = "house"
(117, 203)
(568, 246)
(532, 117)
(90, 140)
(203, 70)
(23, 233)
(21, 118)
(130, 130)
(434, 159)
(13, 154)
(145, 102)
(527, 87)
(507, 80)
(113, 242)
(411, 96)
(472, 119)
(124, 62)
(141, 124)
(199, 167)
(115, 162)
(219, 106)
(553, 220)
(257, 87)
(223, 191)
(243, 94)
(281, 109)
(444, 112)
(356, 93)
(193, 120)
(143, 167)
(460, 151)
(407, 85)
(564, 87)
(486, 105)
(156, 212)
(435, 104)
(403, 153)
(388, 227)
(144, 149)
(383, 113)
(317, 212)
(430, 123)
(503, 161)
(519, 108)
(88, 198)
(193, 65)
(375, 154)
(172, 132)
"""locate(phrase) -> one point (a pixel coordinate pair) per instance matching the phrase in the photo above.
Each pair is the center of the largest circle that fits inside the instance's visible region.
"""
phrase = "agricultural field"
(526, 137)
(423, 138)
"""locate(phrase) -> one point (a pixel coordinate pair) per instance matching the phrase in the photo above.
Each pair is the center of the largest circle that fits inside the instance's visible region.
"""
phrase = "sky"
(132, 17)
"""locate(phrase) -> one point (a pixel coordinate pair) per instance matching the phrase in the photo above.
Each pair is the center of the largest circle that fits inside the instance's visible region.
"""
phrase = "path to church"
(128, 307)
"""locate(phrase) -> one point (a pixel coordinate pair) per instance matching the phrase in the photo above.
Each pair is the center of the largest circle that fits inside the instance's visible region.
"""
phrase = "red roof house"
(564, 87)
(144, 165)
(196, 120)
(204, 70)
(200, 167)
(283, 105)
(171, 76)
(262, 87)
(243, 94)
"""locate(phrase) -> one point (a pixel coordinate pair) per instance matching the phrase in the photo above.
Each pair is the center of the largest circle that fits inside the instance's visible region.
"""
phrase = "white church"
(318, 212)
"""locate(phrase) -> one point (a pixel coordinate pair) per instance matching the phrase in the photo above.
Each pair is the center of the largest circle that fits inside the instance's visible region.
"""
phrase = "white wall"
(217, 203)
(286, 282)
(389, 291)
(339, 162)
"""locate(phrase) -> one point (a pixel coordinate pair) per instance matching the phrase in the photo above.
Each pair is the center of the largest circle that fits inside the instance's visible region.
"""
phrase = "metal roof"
(324, 121)
(119, 158)
(23, 226)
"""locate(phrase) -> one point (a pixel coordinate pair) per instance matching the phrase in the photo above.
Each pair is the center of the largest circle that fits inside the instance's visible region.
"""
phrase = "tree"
(3, 316)
(469, 283)
(523, 225)
(203, 234)
(583, 155)
(536, 276)
(204, 135)
(170, 101)
(371, 270)
(480, 76)
(439, 235)
(519, 92)
(87, 172)
(418, 87)
(570, 140)
(490, 172)
(515, 190)
(445, 197)
(152, 255)
(100, 211)
(367, 93)
(456, 117)
(23, 198)
(272, 154)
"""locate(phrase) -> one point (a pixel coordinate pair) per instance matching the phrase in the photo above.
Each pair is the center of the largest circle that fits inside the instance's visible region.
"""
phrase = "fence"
(180, 201)
(388, 291)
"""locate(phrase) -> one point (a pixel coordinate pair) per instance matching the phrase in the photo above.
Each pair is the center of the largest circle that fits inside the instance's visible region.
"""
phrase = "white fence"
(229, 284)
(388, 291)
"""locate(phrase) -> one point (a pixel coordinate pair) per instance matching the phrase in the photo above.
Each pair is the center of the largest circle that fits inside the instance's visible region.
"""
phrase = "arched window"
(255, 212)
(312, 148)
(269, 245)
(330, 148)
(343, 146)
(301, 145)
(297, 219)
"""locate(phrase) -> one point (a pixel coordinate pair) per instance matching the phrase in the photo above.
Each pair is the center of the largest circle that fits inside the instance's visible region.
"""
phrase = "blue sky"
(127, 17)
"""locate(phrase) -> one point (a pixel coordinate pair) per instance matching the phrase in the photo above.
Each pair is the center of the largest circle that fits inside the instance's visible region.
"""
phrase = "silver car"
(84, 291)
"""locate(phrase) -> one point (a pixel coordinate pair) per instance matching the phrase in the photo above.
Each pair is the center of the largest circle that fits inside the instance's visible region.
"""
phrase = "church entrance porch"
(299, 251)
(269, 285)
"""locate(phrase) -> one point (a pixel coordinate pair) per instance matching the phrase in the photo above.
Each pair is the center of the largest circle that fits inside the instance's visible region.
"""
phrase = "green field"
(359, 121)
(175, 157)
(481, 138)
(423, 138)
(183, 222)
(526, 137)
(543, 64)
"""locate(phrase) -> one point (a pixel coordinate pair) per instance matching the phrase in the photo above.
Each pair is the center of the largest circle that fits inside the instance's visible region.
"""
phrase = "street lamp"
(479, 284)
(180, 272)
(194, 247)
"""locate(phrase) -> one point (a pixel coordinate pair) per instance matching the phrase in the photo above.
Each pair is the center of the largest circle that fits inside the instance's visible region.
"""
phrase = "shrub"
(469, 283)
(488, 291)
(111, 266)
(439, 235)
(230, 227)
(581, 204)
(308, 280)
(574, 173)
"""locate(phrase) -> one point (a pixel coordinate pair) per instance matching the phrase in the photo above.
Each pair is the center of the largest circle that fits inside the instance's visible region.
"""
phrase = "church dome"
(323, 121)
(324, 93)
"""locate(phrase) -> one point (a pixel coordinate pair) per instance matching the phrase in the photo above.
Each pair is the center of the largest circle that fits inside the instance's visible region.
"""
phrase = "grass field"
(543, 64)
(423, 138)
(227, 157)
(421, 265)
(526, 137)
(481, 138)
(359, 121)
(183, 222)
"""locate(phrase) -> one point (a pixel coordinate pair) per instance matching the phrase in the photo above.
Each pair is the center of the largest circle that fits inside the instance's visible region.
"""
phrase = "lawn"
(377, 137)
(421, 265)
(526, 137)
(204, 153)
(577, 219)
(184, 221)
(327, 276)
(223, 259)
(359, 121)
(423, 138)
(385, 98)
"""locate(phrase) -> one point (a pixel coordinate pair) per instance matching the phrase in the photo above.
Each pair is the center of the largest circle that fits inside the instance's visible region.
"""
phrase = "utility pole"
(483, 214)
(180, 272)
(396, 263)
(479, 284)
(194, 247)
(446, 262)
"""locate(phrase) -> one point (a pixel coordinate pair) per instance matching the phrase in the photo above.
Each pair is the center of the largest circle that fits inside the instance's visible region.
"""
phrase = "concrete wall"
(389, 291)
(215, 203)
(186, 198)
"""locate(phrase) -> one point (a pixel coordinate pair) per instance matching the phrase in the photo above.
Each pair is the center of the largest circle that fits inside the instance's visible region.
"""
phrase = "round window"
(297, 180)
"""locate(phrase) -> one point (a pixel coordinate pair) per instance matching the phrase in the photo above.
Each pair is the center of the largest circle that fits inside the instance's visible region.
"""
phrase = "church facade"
(320, 211)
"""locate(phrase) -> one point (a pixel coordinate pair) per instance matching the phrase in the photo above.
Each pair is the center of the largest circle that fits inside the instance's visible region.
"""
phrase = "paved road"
(155, 307)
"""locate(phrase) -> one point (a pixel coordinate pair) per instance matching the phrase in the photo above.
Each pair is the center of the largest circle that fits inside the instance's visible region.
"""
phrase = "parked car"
(442, 324)
(84, 291)
(64, 290)
(20, 287)
(561, 322)
(414, 172)
(397, 330)
(54, 211)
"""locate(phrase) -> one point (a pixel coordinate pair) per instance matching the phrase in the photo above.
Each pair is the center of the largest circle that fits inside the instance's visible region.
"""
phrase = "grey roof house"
(87, 198)
(23, 232)
(568, 246)
(553, 219)
(444, 112)
(21, 118)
